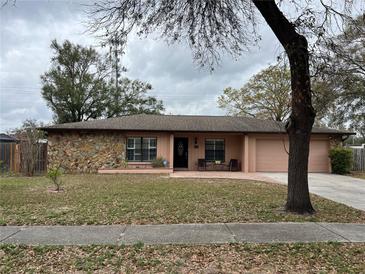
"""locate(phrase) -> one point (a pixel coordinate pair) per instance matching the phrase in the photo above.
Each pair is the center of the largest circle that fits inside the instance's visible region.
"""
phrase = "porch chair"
(202, 165)
(233, 165)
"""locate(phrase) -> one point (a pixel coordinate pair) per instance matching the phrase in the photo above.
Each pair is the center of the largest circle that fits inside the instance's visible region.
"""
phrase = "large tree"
(267, 95)
(341, 68)
(75, 86)
(212, 27)
(79, 86)
(130, 97)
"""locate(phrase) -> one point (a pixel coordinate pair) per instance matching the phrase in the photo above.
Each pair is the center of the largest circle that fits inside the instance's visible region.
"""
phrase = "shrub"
(124, 163)
(341, 160)
(158, 162)
(2, 166)
(55, 174)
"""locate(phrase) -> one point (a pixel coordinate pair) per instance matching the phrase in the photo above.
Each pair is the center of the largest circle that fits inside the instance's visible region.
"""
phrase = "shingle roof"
(6, 138)
(186, 123)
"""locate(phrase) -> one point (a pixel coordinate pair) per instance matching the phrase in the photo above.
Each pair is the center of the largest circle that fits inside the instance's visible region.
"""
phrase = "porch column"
(171, 162)
(245, 155)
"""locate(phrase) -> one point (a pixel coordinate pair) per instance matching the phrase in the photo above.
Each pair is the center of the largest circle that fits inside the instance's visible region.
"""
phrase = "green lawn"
(252, 258)
(147, 199)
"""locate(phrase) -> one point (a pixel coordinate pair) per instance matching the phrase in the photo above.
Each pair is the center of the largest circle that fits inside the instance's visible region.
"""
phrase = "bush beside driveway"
(153, 199)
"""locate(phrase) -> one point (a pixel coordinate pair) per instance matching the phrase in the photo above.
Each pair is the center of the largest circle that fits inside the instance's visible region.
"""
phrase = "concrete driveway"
(342, 189)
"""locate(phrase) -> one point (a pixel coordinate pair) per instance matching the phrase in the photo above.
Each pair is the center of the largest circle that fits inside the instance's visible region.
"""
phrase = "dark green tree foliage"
(130, 97)
(75, 88)
(341, 160)
(78, 87)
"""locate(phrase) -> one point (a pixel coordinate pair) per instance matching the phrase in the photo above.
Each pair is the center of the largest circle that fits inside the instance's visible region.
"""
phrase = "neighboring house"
(4, 138)
(135, 141)
(356, 146)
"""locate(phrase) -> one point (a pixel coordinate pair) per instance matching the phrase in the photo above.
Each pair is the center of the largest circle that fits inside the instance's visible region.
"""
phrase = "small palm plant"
(55, 175)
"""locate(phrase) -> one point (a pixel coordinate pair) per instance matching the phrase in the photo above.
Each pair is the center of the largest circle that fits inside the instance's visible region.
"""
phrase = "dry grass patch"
(238, 258)
(150, 199)
(360, 175)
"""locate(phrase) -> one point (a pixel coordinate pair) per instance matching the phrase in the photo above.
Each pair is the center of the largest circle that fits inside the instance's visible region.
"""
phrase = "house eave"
(88, 130)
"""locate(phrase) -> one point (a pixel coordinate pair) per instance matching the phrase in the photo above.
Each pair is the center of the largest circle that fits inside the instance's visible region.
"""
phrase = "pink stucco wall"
(233, 146)
(256, 152)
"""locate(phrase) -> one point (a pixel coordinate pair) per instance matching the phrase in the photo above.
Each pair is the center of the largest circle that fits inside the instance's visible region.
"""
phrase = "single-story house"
(183, 141)
(5, 138)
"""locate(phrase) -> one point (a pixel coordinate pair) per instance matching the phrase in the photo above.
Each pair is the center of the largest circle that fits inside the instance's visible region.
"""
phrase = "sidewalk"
(183, 233)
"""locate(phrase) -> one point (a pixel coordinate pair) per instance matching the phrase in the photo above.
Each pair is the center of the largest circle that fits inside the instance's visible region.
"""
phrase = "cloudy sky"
(28, 28)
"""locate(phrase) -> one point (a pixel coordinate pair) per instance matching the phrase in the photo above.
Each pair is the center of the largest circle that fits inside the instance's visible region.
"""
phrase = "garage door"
(318, 156)
(271, 156)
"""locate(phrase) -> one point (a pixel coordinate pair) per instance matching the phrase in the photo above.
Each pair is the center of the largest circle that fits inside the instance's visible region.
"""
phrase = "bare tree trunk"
(302, 116)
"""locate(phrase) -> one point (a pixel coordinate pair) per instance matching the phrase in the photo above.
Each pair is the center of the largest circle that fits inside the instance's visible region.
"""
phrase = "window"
(141, 149)
(149, 149)
(214, 150)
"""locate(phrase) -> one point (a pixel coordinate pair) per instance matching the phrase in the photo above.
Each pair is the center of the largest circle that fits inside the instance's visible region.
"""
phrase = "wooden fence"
(11, 158)
(359, 159)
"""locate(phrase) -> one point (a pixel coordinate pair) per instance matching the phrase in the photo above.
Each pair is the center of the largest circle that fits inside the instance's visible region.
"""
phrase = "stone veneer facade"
(86, 152)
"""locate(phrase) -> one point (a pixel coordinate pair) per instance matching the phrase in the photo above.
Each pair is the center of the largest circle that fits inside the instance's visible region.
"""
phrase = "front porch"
(206, 151)
(213, 152)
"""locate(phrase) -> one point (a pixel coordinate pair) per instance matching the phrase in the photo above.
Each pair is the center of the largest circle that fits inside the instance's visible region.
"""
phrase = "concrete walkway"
(221, 175)
(183, 233)
(342, 189)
